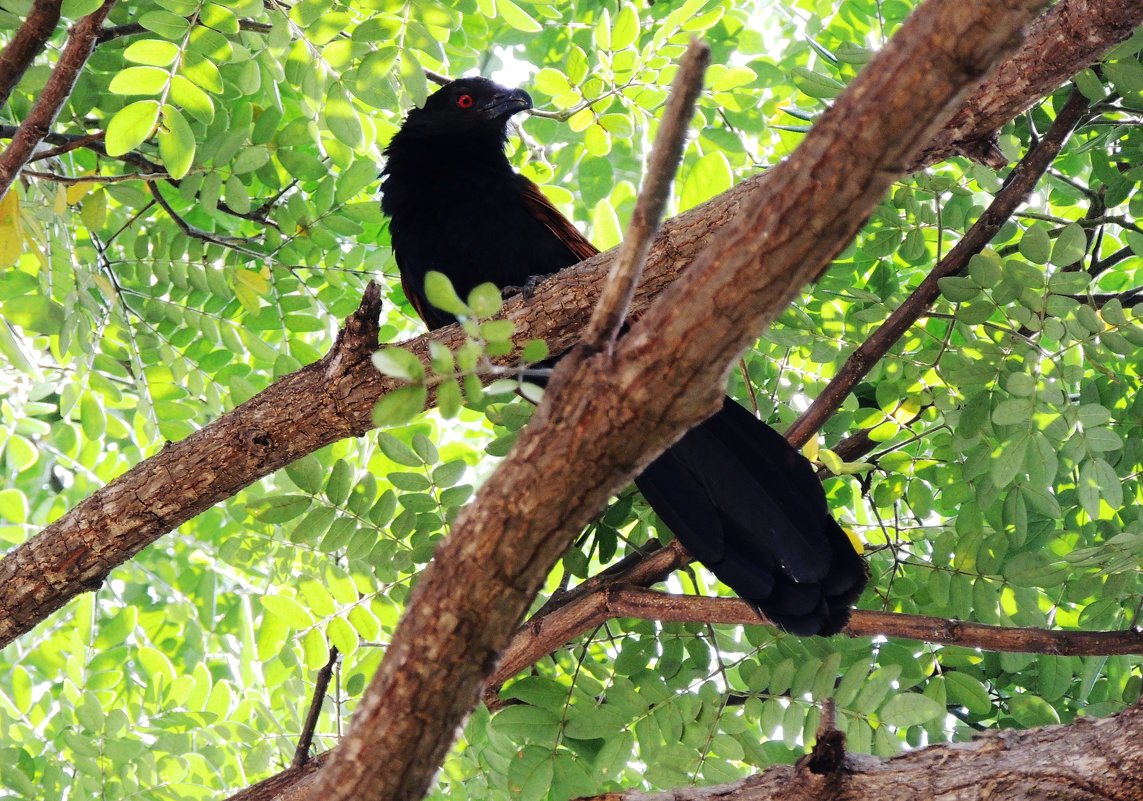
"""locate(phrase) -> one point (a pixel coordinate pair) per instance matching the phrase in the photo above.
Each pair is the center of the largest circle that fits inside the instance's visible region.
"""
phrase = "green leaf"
(400, 406)
(1032, 710)
(1070, 246)
(399, 363)
(1035, 244)
(131, 126)
(152, 52)
(485, 300)
(176, 142)
(626, 28)
(34, 313)
(910, 709)
(139, 81)
(711, 175)
(168, 25)
(815, 84)
(439, 292)
(517, 17)
(605, 225)
(292, 613)
(341, 119)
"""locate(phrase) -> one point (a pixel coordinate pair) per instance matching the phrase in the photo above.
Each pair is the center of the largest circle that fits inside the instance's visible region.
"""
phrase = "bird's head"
(469, 107)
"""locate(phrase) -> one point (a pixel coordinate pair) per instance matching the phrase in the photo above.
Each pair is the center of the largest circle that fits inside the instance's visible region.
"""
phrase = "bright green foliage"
(1003, 486)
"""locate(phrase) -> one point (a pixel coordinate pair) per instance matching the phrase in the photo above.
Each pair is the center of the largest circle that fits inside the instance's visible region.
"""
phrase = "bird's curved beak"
(506, 104)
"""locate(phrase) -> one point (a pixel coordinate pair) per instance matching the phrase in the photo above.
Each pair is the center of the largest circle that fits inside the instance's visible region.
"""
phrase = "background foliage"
(1004, 486)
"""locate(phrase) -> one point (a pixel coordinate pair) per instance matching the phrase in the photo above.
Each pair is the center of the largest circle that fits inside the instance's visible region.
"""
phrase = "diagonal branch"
(80, 45)
(1017, 189)
(610, 311)
(28, 43)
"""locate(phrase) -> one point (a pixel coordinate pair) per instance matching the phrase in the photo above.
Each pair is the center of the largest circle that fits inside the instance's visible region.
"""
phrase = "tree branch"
(607, 319)
(1068, 38)
(306, 739)
(28, 43)
(541, 636)
(37, 125)
(664, 376)
(1088, 760)
(1019, 186)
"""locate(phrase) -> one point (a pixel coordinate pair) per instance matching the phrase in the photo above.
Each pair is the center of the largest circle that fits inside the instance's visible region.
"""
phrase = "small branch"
(666, 154)
(28, 43)
(541, 636)
(94, 179)
(1023, 179)
(233, 242)
(79, 47)
(321, 684)
(134, 28)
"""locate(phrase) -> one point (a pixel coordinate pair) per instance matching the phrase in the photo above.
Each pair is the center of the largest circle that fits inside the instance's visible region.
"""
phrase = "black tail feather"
(749, 507)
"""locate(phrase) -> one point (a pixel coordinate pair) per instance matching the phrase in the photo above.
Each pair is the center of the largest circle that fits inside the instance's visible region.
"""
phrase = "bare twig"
(134, 28)
(667, 152)
(1023, 179)
(321, 684)
(79, 47)
(93, 179)
(233, 242)
(28, 43)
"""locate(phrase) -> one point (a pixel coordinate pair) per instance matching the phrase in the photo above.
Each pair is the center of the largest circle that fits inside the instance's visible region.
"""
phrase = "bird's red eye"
(464, 101)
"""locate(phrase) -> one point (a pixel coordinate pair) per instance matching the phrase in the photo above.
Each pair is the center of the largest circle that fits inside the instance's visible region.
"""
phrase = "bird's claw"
(526, 289)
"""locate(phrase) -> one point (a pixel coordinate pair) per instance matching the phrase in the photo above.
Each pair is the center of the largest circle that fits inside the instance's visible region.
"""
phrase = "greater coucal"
(734, 492)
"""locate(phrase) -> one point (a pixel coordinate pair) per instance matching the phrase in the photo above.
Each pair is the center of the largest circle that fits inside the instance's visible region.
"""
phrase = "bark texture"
(664, 376)
(76, 552)
(1090, 760)
(28, 43)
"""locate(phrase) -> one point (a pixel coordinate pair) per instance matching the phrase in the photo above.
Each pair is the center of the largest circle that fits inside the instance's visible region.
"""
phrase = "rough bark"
(1089, 760)
(74, 553)
(28, 43)
(1057, 46)
(37, 125)
(665, 376)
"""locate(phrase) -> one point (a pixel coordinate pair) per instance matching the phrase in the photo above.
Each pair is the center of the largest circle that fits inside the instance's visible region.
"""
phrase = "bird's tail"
(748, 506)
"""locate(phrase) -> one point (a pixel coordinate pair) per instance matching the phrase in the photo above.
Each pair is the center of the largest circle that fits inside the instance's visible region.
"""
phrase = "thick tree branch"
(28, 43)
(37, 125)
(1021, 182)
(627, 267)
(74, 553)
(664, 376)
(1068, 38)
(1088, 760)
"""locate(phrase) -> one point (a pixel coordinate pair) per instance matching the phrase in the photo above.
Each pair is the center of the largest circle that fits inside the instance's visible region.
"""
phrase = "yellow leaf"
(811, 448)
(254, 281)
(76, 191)
(854, 540)
(60, 205)
(11, 232)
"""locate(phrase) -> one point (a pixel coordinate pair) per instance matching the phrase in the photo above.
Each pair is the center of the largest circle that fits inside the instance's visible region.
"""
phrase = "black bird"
(734, 492)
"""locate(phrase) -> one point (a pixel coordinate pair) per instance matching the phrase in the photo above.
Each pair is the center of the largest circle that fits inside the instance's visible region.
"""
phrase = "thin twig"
(79, 47)
(1023, 179)
(134, 28)
(321, 684)
(667, 152)
(233, 242)
(28, 43)
(93, 179)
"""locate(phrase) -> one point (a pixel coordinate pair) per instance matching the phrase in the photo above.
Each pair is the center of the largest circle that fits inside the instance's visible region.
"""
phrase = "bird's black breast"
(473, 225)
